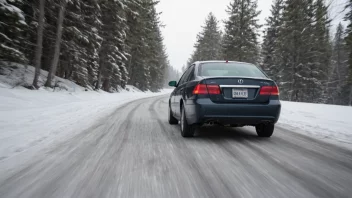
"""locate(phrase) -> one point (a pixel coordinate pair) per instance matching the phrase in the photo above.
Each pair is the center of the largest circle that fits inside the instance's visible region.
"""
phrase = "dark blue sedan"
(227, 93)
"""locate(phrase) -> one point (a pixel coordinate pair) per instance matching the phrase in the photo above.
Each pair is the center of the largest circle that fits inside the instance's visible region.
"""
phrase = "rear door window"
(191, 74)
(230, 69)
(185, 76)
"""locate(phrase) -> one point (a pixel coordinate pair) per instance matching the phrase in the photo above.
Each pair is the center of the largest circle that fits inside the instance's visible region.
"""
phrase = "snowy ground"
(330, 123)
(28, 118)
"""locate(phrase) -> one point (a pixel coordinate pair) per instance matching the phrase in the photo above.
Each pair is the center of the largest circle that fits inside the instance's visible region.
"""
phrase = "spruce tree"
(348, 87)
(208, 44)
(12, 26)
(112, 53)
(272, 63)
(136, 44)
(87, 41)
(295, 42)
(338, 72)
(321, 54)
(92, 24)
(157, 60)
(146, 54)
(240, 42)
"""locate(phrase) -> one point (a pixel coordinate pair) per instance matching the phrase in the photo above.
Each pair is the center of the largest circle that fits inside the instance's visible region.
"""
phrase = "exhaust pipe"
(211, 123)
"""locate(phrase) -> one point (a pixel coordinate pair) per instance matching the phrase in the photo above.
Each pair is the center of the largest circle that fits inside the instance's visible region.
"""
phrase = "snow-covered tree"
(320, 54)
(303, 72)
(147, 58)
(240, 42)
(348, 87)
(208, 44)
(138, 32)
(112, 55)
(272, 62)
(12, 26)
(338, 72)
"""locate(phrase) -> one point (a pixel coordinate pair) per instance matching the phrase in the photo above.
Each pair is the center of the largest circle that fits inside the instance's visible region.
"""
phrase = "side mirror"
(172, 83)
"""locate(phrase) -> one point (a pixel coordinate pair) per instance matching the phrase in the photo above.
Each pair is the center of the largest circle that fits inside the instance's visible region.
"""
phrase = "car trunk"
(239, 90)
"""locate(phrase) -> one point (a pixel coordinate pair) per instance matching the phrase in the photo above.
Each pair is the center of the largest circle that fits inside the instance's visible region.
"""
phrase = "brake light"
(269, 90)
(213, 89)
(206, 89)
(275, 91)
(200, 89)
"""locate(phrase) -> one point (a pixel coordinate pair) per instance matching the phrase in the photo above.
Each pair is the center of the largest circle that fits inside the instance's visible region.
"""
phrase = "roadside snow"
(29, 118)
(331, 123)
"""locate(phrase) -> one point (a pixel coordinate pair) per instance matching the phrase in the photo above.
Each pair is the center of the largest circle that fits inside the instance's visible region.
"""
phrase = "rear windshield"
(230, 69)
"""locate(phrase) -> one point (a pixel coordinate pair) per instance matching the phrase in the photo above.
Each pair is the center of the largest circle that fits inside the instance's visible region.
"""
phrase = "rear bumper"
(203, 110)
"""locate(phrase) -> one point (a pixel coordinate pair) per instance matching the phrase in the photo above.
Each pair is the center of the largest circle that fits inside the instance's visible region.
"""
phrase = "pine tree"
(112, 53)
(338, 74)
(77, 42)
(321, 54)
(208, 44)
(272, 63)
(138, 32)
(240, 42)
(12, 26)
(92, 15)
(157, 60)
(147, 58)
(348, 87)
(295, 42)
(87, 41)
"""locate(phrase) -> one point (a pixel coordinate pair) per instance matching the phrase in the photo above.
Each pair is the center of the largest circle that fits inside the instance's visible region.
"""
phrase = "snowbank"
(330, 123)
(28, 118)
(13, 75)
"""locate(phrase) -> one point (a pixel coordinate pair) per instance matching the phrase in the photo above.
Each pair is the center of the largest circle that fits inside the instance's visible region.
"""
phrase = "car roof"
(220, 61)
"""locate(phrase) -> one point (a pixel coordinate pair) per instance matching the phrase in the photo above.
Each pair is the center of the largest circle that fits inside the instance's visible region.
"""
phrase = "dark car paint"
(200, 109)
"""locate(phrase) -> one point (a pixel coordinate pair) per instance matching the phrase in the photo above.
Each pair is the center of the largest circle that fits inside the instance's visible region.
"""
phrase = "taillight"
(213, 89)
(206, 89)
(200, 89)
(269, 90)
(275, 91)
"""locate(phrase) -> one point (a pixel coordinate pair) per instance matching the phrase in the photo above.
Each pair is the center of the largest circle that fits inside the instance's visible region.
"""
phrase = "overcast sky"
(183, 20)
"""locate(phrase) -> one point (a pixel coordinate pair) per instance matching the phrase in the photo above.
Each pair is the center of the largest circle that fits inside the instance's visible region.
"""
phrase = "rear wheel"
(172, 119)
(265, 130)
(186, 130)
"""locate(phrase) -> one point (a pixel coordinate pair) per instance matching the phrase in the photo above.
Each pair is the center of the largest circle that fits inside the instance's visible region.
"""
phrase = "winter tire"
(186, 130)
(265, 130)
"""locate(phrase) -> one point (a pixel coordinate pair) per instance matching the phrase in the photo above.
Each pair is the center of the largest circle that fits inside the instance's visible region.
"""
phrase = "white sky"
(183, 20)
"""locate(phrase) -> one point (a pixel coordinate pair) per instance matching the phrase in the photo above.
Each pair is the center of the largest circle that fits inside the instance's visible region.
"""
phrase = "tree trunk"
(97, 85)
(55, 60)
(39, 47)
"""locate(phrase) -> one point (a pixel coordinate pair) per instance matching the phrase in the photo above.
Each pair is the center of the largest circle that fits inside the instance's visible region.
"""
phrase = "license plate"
(240, 93)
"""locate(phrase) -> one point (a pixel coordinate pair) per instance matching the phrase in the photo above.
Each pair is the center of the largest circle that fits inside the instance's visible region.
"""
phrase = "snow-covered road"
(134, 152)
